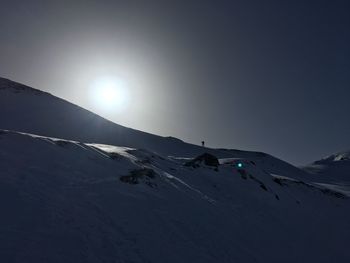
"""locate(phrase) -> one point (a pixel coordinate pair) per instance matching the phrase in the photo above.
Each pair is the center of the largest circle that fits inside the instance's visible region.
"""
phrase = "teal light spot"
(240, 165)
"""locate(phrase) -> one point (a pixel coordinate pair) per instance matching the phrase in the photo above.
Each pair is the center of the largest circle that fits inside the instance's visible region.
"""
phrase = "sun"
(110, 93)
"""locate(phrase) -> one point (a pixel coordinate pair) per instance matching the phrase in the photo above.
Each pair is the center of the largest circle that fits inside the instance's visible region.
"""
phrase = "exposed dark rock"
(263, 186)
(206, 158)
(62, 143)
(277, 181)
(243, 174)
(140, 175)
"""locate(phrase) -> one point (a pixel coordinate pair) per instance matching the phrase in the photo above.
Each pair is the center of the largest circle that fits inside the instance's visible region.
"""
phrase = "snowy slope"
(67, 201)
(332, 171)
(29, 110)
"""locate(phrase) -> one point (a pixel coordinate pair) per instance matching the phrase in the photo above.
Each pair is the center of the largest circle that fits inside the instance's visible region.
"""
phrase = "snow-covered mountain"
(338, 157)
(88, 190)
(334, 168)
(332, 171)
(30, 110)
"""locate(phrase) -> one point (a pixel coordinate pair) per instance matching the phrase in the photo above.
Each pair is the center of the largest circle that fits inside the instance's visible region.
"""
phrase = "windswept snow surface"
(63, 201)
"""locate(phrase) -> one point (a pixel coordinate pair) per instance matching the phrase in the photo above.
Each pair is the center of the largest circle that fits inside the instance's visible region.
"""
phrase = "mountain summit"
(30, 110)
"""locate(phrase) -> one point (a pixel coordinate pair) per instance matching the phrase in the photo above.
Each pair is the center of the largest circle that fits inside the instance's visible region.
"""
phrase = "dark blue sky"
(272, 76)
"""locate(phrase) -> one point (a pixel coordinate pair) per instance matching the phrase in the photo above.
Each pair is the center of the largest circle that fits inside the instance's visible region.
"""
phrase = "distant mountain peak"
(344, 156)
(337, 157)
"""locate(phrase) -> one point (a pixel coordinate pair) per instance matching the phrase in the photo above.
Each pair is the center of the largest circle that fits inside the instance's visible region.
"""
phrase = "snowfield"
(73, 192)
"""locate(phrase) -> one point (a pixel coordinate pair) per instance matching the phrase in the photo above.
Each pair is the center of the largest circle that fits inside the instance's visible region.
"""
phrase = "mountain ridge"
(51, 116)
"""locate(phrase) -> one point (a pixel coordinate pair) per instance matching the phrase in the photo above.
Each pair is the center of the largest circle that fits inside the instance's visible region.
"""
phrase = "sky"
(270, 76)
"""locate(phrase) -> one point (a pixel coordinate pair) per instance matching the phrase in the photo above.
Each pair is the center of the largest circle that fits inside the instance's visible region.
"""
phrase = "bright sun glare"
(110, 93)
